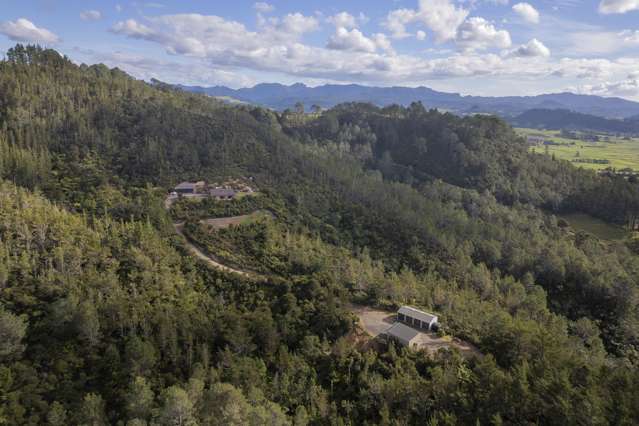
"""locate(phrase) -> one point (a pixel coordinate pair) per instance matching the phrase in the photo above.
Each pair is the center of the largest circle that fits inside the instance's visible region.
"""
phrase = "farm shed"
(222, 193)
(416, 318)
(403, 334)
(189, 187)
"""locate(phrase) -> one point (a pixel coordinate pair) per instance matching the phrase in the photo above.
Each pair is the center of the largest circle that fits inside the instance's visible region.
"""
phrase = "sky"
(473, 47)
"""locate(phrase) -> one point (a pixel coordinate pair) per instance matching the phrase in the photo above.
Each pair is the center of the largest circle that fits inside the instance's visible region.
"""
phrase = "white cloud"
(355, 40)
(133, 29)
(263, 7)
(527, 12)
(420, 35)
(346, 20)
(534, 48)
(296, 23)
(91, 15)
(628, 87)
(631, 37)
(618, 6)
(442, 17)
(477, 33)
(273, 48)
(397, 20)
(595, 42)
(344, 39)
(168, 71)
(25, 31)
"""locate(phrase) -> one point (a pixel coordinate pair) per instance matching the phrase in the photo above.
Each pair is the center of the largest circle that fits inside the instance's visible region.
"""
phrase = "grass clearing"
(596, 227)
(225, 222)
(621, 153)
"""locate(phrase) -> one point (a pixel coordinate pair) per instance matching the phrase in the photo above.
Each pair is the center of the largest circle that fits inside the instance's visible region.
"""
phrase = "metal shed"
(403, 334)
(416, 318)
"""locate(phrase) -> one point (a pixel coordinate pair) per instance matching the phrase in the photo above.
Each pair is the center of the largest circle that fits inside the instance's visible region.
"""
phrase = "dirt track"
(197, 252)
(203, 256)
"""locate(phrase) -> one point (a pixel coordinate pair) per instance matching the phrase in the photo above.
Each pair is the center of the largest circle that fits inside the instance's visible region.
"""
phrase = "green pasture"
(620, 152)
(596, 227)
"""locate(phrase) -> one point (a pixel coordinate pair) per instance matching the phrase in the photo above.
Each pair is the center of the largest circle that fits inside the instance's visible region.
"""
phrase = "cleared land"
(376, 322)
(225, 222)
(596, 227)
(620, 153)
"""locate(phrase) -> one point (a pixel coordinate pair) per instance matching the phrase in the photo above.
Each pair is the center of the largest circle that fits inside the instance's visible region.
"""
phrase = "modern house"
(416, 318)
(403, 334)
(222, 193)
(185, 188)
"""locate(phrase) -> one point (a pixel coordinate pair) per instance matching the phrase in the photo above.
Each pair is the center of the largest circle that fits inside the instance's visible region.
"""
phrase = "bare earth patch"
(225, 222)
(376, 322)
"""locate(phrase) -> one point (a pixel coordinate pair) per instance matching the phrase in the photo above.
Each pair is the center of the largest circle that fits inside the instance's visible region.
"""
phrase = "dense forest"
(105, 318)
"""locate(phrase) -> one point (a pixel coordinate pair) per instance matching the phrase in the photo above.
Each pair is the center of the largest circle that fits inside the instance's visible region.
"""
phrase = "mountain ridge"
(278, 96)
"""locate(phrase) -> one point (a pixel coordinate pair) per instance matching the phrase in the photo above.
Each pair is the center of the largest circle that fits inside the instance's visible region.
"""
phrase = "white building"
(416, 318)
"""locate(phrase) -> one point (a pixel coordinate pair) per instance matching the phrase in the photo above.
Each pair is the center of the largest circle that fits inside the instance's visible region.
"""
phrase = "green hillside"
(106, 317)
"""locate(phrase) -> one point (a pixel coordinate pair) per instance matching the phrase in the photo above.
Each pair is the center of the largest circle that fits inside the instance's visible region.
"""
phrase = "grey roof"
(402, 332)
(186, 185)
(222, 192)
(417, 314)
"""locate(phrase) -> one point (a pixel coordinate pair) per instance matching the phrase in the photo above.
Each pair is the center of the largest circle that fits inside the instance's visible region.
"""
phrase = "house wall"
(184, 191)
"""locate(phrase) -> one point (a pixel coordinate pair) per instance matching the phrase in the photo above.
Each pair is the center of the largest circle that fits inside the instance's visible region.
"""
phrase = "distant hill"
(558, 119)
(280, 97)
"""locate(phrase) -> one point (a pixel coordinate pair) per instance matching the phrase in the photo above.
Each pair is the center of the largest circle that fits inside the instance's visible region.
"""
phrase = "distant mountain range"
(280, 97)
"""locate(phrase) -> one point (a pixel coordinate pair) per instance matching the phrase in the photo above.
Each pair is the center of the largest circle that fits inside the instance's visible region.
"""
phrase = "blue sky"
(479, 47)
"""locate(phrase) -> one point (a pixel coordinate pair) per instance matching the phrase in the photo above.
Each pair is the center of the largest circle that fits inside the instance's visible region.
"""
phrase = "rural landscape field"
(621, 152)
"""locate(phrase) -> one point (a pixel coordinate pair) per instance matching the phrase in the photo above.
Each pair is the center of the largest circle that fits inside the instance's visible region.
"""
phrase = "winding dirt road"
(198, 253)
(206, 258)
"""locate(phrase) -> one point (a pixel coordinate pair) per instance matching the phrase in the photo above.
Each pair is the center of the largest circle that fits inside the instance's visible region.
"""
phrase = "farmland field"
(596, 227)
(620, 153)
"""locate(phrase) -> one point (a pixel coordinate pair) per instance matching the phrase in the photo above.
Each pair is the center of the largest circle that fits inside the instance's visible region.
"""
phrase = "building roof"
(402, 332)
(186, 185)
(222, 192)
(417, 314)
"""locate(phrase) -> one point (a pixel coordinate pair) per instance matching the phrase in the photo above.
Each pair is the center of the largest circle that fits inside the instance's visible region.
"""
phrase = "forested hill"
(558, 119)
(106, 318)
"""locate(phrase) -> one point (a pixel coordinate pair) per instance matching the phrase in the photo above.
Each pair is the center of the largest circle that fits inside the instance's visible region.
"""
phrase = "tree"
(301, 416)
(88, 323)
(139, 399)
(57, 415)
(299, 108)
(92, 411)
(225, 405)
(177, 408)
(12, 330)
